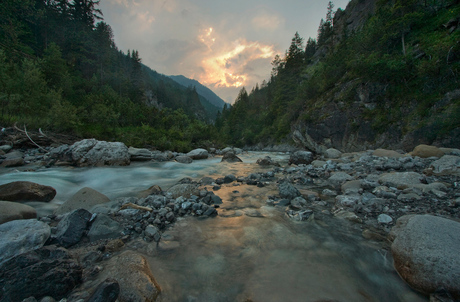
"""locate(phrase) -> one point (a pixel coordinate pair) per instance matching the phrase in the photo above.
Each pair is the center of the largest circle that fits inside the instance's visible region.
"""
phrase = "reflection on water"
(251, 251)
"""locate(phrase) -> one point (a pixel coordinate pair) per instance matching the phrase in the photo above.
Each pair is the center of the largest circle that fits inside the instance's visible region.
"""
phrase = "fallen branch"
(27, 134)
(135, 206)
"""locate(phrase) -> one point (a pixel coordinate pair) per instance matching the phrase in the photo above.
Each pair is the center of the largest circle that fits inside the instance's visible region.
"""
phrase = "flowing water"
(251, 251)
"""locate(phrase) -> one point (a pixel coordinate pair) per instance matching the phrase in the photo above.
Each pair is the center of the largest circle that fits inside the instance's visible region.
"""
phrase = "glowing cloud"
(228, 67)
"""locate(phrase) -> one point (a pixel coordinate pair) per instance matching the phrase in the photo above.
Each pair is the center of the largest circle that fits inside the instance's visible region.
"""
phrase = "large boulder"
(198, 154)
(134, 276)
(301, 157)
(20, 236)
(48, 271)
(72, 227)
(85, 198)
(425, 151)
(137, 154)
(13, 211)
(90, 152)
(100, 153)
(426, 253)
(446, 165)
(26, 191)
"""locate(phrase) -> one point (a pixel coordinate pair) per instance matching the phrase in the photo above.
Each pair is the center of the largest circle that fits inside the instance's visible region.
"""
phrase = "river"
(251, 251)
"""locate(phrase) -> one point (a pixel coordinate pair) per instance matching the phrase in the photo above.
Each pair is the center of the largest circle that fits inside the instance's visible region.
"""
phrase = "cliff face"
(361, 113)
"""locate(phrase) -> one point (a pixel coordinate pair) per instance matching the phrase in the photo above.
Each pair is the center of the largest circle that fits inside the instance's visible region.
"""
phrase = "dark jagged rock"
(301, 157)
(72, 227)
(48, 271)
(230, 157)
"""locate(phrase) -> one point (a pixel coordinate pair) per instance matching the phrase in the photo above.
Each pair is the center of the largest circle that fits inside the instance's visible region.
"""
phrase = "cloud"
(266, 21)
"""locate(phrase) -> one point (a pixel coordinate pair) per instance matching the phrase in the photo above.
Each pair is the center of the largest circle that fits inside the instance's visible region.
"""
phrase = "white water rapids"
(251, 251)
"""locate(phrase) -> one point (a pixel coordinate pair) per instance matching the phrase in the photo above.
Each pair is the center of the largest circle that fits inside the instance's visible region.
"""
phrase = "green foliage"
(403, 50)
(59, 69)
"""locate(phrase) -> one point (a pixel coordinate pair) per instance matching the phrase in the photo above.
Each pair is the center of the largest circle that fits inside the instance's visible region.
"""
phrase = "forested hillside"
(61, 70)
(379, 74)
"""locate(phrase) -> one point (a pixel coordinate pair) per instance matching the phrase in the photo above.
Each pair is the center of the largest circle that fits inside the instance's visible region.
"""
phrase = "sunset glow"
(226, 67)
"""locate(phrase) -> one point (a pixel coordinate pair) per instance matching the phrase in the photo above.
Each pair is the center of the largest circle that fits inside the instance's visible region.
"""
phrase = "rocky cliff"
(371, 109)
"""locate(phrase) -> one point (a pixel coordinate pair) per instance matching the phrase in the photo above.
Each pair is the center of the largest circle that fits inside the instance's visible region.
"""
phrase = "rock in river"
(26, 191)
(426, 253)
(85, 198)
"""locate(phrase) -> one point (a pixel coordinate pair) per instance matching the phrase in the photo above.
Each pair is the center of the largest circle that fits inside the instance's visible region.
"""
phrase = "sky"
(225, 45)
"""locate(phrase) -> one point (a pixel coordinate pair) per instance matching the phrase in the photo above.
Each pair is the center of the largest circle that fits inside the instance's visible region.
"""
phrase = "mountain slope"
(213, 98)
(380, 75)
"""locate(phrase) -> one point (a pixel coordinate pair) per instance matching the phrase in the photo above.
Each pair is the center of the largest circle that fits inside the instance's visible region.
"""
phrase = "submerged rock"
(134, 276)
(426, 253)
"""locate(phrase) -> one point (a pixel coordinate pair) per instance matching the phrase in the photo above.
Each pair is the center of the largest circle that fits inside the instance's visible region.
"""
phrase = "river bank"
(236, 228)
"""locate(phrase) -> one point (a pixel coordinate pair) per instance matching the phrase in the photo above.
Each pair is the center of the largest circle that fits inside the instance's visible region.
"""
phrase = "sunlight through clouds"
(223, 44)
(227, 67)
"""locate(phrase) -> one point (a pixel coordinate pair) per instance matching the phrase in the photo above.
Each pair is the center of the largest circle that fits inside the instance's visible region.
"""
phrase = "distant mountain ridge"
(202, 90)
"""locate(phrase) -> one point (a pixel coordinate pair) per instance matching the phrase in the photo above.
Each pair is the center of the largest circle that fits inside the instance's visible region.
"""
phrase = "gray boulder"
(198, 154)
(426, 253)
(185, 190)
(301, 157)
(72, 227)
(100, 153)
(85, 198)
(446, 165)
(104, 227)
(287, 190)
(20, 236)
(137, 154)
(13, 211)
(332, 153)
(338, 178)
(183, 159)
(26, 191)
